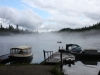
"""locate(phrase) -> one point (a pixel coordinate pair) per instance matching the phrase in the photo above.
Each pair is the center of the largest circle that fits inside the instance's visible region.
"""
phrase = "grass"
(56, 70)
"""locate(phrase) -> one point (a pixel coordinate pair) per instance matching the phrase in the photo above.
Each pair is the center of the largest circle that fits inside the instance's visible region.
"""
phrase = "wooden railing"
(47, 55)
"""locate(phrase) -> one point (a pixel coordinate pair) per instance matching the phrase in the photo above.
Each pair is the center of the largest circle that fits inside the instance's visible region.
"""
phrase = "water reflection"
(89, 62)
(82, 67)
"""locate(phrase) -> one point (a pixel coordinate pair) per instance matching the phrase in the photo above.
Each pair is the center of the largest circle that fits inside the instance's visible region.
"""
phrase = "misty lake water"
(48, 42)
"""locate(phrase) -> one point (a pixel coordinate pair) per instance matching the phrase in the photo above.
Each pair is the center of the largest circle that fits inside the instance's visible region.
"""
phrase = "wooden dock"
(54, 58)
(4, 58)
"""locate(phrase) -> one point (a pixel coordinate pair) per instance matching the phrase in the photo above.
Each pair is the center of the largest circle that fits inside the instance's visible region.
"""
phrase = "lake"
(48, 42)
(82, 68)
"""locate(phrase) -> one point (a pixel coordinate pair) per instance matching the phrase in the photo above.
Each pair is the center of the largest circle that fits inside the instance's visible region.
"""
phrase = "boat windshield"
(76, 49)
(20, 50)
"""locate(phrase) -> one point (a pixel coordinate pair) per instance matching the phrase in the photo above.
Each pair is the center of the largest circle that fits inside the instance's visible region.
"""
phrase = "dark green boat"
(88, 54)
(82, 53)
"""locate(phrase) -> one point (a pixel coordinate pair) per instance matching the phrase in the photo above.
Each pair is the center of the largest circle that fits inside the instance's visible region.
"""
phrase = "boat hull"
(15, 58)
(86, 56)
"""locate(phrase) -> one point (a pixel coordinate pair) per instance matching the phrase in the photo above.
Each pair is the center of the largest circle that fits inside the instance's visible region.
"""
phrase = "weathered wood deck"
(55, 57)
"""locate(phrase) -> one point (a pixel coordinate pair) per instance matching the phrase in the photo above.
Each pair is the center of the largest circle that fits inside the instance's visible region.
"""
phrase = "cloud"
(26, 18)
(63, 14)
(94, 16)
(69, 13)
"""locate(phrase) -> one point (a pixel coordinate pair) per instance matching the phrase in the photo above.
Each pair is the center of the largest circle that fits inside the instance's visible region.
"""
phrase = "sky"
(49, 15)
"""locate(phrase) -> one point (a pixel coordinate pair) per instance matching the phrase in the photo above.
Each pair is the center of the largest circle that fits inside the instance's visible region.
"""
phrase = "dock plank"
(56, 57)
(4, 58)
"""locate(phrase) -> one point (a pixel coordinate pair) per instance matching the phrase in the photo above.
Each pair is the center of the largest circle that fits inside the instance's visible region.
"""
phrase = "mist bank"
(92, 33)
(48, 42)
(13, 33)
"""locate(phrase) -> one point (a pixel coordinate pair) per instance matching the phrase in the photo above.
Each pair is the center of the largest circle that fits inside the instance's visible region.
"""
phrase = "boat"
(88, 54)
(59, 42)
(81, 53)
(69, 59)
(73, 48)
(20, 53)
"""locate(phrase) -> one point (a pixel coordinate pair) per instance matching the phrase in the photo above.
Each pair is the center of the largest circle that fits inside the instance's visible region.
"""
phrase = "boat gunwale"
(21, 55)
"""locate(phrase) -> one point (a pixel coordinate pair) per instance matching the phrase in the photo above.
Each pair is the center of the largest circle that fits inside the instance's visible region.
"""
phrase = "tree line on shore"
(11, 29)
(16, 30)
(94, 26)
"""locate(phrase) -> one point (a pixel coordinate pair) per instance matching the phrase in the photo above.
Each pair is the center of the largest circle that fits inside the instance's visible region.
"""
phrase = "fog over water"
(48, 41)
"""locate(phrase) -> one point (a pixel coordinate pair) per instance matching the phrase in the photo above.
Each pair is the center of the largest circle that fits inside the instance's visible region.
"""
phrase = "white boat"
(21, 53)
(69, 59)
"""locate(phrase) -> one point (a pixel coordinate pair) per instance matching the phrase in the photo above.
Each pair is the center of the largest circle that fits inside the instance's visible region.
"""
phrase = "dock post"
(52, 54)
(99, 73)
(44, 56)
(59, 47)
(61, 62)
(48, 56)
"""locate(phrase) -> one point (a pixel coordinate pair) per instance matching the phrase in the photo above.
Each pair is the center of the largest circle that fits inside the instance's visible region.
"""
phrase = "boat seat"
(20, 52)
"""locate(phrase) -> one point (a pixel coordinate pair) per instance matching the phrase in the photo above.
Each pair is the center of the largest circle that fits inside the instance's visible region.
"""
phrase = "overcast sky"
(48, 15)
